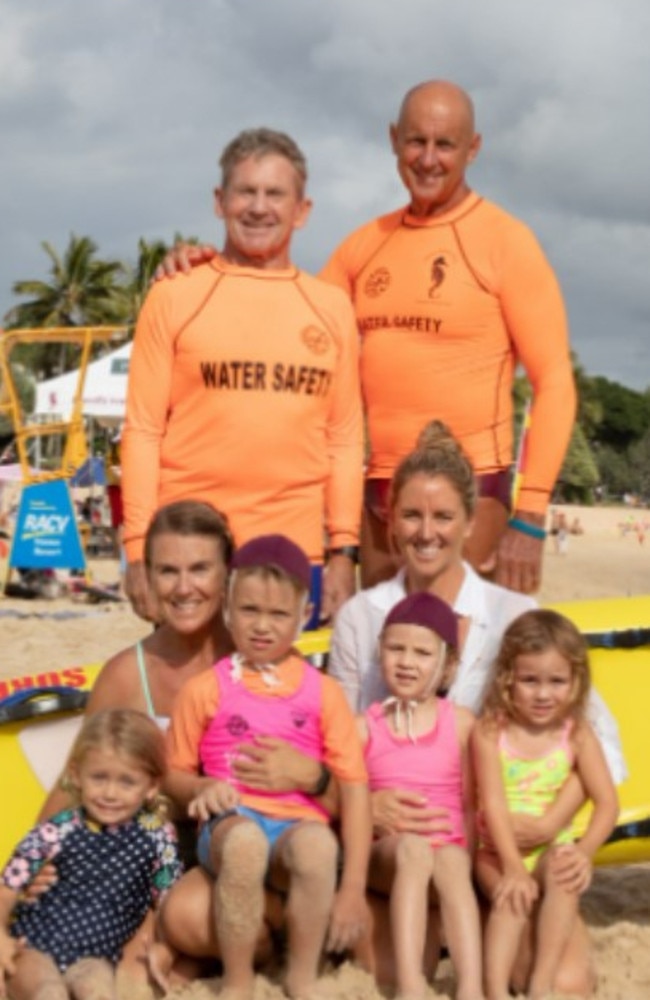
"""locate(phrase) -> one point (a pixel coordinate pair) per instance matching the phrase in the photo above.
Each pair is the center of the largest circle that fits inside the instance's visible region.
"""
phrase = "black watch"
(351, 551)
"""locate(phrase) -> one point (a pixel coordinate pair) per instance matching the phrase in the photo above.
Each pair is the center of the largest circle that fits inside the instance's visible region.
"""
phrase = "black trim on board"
(636, 830)
(626, 638)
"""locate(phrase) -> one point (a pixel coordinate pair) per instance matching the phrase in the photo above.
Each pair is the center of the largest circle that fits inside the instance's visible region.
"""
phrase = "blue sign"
(46, 535)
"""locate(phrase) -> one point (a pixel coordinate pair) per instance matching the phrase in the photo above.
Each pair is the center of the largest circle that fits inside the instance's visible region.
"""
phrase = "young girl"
(113, 854)
(266, 689)
(417, 741)
(530, 738)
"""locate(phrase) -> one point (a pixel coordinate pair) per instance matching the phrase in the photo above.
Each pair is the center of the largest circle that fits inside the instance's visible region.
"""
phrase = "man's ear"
(392, 135)
(218, 202)
(303, 212)
(475, 147)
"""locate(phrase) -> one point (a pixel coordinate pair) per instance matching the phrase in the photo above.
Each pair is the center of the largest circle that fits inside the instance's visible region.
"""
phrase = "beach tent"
(104, 391)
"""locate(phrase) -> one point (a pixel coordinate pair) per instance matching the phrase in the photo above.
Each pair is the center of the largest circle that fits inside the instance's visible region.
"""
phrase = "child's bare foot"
(417, 990)
(160, 959)
(237, 992)
(310, 991)
(91, 979)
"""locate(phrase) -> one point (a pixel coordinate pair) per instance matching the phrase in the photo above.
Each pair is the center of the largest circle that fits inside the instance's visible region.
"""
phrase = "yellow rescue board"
(33, 751)
(622, 676)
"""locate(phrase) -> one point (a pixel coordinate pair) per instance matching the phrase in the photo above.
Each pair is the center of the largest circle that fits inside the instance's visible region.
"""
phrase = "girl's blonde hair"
(128, 733)
(536, 632)
(437, 453)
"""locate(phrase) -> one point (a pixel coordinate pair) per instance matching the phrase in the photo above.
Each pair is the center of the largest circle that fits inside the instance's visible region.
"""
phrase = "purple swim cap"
(274, 550)
(430, 612)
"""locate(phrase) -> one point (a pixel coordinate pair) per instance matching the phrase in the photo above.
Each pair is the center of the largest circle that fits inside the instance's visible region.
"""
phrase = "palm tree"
(139, 278)
(83, 291)
(150, 255)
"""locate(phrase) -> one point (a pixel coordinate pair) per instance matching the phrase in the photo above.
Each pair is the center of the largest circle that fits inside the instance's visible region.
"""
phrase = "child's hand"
(273, 765)
(10, 948)
(44, 879)
(349, 921)
(570, 867)
(517, 889)
(396, 811)
(217, 797)
(160, 959)
(530, 831)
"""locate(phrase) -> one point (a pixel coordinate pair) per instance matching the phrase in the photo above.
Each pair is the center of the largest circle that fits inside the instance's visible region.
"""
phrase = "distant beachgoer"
(562, 535)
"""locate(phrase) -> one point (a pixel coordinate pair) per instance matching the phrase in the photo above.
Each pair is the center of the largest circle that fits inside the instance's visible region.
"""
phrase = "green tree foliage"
(139, 278)
(625, 413)
(617, 476)
(26, 391)
(640, 462)
(579, 474)
(590, 406)
(82, 291)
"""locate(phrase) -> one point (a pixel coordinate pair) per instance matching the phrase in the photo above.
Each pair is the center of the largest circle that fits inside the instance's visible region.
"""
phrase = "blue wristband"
(527, 529)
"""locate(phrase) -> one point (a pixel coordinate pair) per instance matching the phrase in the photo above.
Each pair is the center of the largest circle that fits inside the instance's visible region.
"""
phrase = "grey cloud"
(113, 115)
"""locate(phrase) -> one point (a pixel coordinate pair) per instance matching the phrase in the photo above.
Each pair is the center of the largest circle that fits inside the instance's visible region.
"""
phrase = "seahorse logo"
(438, 273)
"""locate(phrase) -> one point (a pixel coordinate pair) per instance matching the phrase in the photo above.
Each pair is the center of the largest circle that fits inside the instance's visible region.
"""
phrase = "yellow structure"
(75, 451)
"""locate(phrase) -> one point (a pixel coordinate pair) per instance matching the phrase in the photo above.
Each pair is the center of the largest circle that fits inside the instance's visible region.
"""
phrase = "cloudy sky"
(113, 113)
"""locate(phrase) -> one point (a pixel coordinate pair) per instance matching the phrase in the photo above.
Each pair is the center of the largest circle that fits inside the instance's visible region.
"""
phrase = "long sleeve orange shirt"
(244, 392)
(446, 308)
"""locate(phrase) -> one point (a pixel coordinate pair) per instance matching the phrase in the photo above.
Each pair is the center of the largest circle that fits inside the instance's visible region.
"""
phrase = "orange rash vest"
(446, 307)
(244, 392)
(199, 701)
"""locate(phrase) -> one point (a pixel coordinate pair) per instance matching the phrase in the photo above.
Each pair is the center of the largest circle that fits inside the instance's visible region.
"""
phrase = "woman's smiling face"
(430, 523)
(188, 577)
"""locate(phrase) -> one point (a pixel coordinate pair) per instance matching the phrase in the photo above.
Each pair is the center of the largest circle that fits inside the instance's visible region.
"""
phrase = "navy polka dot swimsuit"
(108, 877)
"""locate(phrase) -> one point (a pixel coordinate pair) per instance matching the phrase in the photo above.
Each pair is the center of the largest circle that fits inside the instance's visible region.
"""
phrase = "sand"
(609, 559)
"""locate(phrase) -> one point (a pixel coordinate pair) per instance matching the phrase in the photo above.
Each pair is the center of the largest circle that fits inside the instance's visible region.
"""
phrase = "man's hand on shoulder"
(182, 258)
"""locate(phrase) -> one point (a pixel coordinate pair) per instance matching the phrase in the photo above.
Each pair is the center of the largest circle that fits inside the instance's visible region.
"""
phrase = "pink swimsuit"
(242, 715)
(431, 766)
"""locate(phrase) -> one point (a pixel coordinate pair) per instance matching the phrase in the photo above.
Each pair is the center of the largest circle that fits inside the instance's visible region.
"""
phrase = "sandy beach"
(610, 558)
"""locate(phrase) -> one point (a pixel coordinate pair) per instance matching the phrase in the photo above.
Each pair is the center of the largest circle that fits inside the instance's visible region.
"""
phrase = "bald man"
(450, 294)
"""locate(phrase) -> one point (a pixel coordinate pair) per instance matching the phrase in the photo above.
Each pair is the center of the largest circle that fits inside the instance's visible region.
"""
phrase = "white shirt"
(354, 650)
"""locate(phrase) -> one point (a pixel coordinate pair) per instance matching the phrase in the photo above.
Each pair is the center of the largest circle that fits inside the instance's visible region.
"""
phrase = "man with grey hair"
(243, 383)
